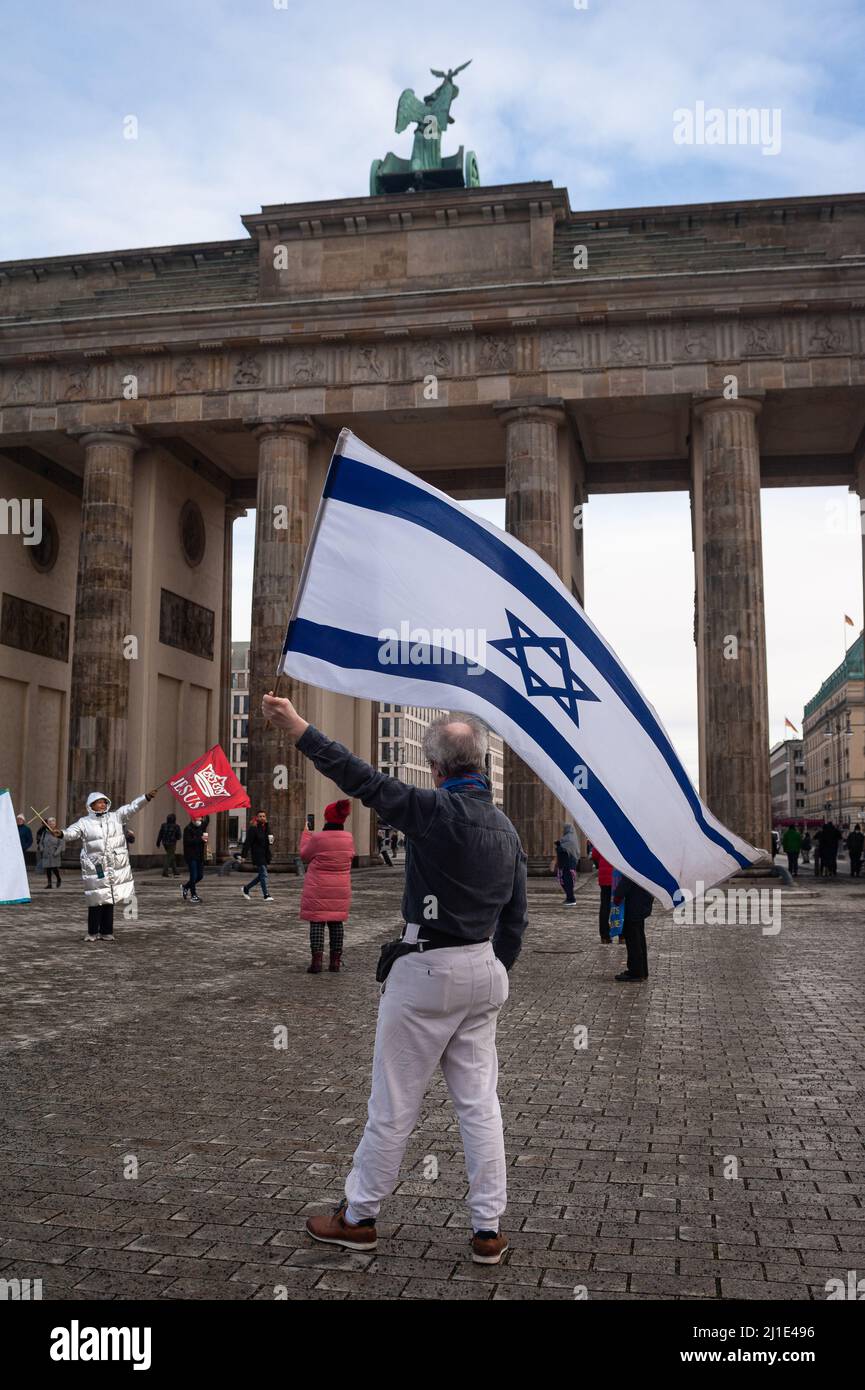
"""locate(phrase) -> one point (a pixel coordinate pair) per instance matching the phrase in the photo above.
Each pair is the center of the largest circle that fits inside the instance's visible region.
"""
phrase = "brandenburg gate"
(490, 339)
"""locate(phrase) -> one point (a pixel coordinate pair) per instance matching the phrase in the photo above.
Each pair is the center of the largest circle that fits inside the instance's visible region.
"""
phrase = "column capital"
(234, 510)
(294, 426)
(709, 402)
(107, 434)
(549, 408)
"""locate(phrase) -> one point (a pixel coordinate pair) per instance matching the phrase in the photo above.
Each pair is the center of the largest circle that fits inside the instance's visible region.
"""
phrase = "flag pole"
(38, 813)
(301, 583)
(42, 818)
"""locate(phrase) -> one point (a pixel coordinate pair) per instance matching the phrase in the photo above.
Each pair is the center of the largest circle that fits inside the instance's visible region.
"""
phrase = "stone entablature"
(655, 354)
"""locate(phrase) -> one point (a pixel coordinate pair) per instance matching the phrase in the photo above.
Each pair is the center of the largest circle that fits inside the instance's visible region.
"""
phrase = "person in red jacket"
(605, 881)
(326, 895)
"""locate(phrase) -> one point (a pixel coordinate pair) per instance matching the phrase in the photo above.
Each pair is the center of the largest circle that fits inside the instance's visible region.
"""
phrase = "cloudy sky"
(243, 102)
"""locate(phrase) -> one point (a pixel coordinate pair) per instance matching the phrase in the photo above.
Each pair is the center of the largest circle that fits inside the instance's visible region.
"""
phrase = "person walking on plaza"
(326, 895)
(194, 849)
(605, 883)
(105, 867)
(818, 854)
(806, 847)
(169, 834)
(464, 905)
(638, 906)
(855, 843)
(567, 862)
(256, 846)
(25, 834)
(50, 850)
(791, 841)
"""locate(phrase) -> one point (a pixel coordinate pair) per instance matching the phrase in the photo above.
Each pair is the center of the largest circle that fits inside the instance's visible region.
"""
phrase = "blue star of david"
(516, 648)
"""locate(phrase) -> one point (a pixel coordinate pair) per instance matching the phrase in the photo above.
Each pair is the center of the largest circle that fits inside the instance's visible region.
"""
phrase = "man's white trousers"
(437, 1008)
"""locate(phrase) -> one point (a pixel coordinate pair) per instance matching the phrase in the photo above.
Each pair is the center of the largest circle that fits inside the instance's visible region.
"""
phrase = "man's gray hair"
(456, 750)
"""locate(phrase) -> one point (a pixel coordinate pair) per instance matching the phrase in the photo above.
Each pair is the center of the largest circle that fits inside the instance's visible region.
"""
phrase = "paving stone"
(109, 1284)
(616, 1154)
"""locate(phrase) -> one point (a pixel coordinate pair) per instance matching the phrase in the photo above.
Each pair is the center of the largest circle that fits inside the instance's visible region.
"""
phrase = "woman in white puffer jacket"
(105, 866)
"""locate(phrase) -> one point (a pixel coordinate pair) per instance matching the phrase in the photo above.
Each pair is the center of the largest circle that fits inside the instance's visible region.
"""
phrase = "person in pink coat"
(326, 895)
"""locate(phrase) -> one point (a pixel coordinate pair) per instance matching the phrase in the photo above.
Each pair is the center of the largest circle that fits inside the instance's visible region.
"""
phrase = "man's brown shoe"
(335, 1230)
(488, 1247)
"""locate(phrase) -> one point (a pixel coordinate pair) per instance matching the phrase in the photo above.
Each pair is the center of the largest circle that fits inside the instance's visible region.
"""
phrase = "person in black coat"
(256, 847)
(855, 844)
(169, 834)
(638, 906)
(194, 849)
(829, 838)
(25, 834)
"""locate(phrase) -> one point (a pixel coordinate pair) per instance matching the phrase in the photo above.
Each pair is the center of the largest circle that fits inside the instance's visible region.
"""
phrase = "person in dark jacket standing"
(855, 843)
(829, 838)
(169, 834)
(25, 834)
(464, 905)
(638, 906)
(256, 847)
(194, 849)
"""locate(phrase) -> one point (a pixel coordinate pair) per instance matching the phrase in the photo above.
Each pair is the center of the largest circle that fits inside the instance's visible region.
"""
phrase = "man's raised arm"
(409, 809)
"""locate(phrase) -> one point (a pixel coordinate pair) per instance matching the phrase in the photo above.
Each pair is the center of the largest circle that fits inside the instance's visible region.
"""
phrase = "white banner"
(14, 887)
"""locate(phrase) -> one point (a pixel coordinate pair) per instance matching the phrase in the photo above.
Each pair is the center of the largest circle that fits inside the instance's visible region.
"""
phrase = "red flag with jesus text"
(208, 785)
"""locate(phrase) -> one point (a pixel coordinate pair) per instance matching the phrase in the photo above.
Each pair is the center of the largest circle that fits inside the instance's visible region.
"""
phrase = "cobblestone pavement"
(160, 1050)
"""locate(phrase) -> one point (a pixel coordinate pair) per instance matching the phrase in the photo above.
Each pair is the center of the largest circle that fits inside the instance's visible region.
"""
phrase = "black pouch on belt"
(390, 952)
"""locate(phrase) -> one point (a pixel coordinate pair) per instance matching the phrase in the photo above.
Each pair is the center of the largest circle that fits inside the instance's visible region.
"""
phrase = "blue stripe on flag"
(358, 652)
(362, 485)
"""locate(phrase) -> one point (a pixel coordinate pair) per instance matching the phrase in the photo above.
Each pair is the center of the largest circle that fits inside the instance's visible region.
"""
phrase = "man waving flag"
(445, 610)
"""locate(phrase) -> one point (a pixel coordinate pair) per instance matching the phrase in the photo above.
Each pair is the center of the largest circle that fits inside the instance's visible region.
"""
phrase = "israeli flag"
(407, 597)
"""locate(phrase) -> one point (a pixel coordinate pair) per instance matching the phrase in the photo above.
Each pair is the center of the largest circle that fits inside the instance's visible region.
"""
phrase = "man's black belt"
(416, 939)
(431, 939)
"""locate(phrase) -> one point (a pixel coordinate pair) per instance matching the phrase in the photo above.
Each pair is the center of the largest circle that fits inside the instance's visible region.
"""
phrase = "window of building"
(385, 728)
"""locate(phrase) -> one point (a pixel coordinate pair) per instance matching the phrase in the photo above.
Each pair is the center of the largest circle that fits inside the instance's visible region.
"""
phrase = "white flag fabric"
(14, 887)
(407, 597)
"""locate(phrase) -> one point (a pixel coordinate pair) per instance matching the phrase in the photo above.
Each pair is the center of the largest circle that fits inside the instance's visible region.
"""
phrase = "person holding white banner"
(444, 982)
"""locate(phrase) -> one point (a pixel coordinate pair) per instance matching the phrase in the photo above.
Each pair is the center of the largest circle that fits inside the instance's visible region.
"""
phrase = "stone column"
(731, 631)
(281, 534)
(232, 512)
(99, 699)
(533, 515)
(860, 488)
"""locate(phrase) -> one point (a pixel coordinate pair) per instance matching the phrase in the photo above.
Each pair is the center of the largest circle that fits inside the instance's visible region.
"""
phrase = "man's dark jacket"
(193, 844)
(169, 834)
(638, 903)
(462, 855)
(256, 846)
